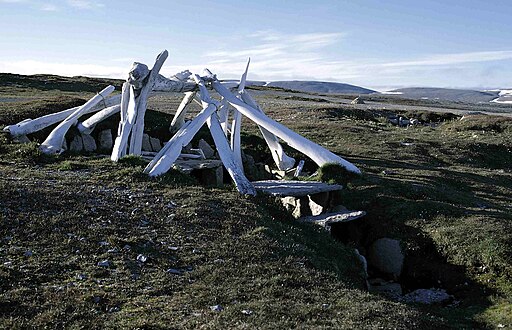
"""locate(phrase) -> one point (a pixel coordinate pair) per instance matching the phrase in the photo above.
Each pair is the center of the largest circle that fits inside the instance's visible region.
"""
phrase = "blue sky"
(379, 44)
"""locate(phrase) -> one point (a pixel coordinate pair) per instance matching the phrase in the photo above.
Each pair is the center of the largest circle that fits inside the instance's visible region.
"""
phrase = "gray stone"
(357, 100)
(105, 140)
(427, 296)
(289, 202)
(216, 308)
(250, 167)
(89, 143)
(105, 263)
(146, 145)
(206, 148)
(211, 176)
(316, 209)
(76, 144)
(294, 205)
(174, 271)
(364, 263)
(320, 200)
(155, 144)
(386, 255)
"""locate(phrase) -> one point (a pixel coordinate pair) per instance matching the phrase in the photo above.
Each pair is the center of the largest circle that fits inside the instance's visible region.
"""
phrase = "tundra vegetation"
(85, 242)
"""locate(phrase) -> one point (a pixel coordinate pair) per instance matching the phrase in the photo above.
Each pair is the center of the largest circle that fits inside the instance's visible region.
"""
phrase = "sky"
(371, 43)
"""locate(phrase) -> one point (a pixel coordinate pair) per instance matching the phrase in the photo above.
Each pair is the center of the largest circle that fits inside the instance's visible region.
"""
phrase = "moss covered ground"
(86, 243)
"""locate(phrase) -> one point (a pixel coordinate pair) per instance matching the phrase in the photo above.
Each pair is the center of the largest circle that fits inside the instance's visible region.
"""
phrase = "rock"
(76, 144)
(174, 271)
(427, 296)
(321, 198)
(216, 308)
(104, 263)
(316, 209)
(390, 290)
(213, 176)
(89, 143)
(105, 140)
(205, 147)
(297, 206)
(250, 168)
(402, 121)
(364, 263)
(279, 174)
(357, 100)
(385, 254)
(289, 202)
(393, 120)
(81, 277)
(156, 145)
(262, 171)
(146, 145)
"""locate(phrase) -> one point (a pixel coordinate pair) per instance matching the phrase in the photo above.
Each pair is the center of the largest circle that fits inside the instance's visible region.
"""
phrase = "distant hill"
(320, 87)
(54, 82)
(447, 94)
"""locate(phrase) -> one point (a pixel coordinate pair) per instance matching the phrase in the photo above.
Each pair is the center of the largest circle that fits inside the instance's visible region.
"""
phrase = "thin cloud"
(49, 7)
(452, 59)
(45, 6)
(85, 4)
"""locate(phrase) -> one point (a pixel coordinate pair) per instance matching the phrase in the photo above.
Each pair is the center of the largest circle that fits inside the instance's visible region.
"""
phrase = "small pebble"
(174, 271)
(104, 263)
(246, 312)
(216, 308)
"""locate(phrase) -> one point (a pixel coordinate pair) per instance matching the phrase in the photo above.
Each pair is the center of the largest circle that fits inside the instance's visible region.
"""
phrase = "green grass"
(444, 191)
